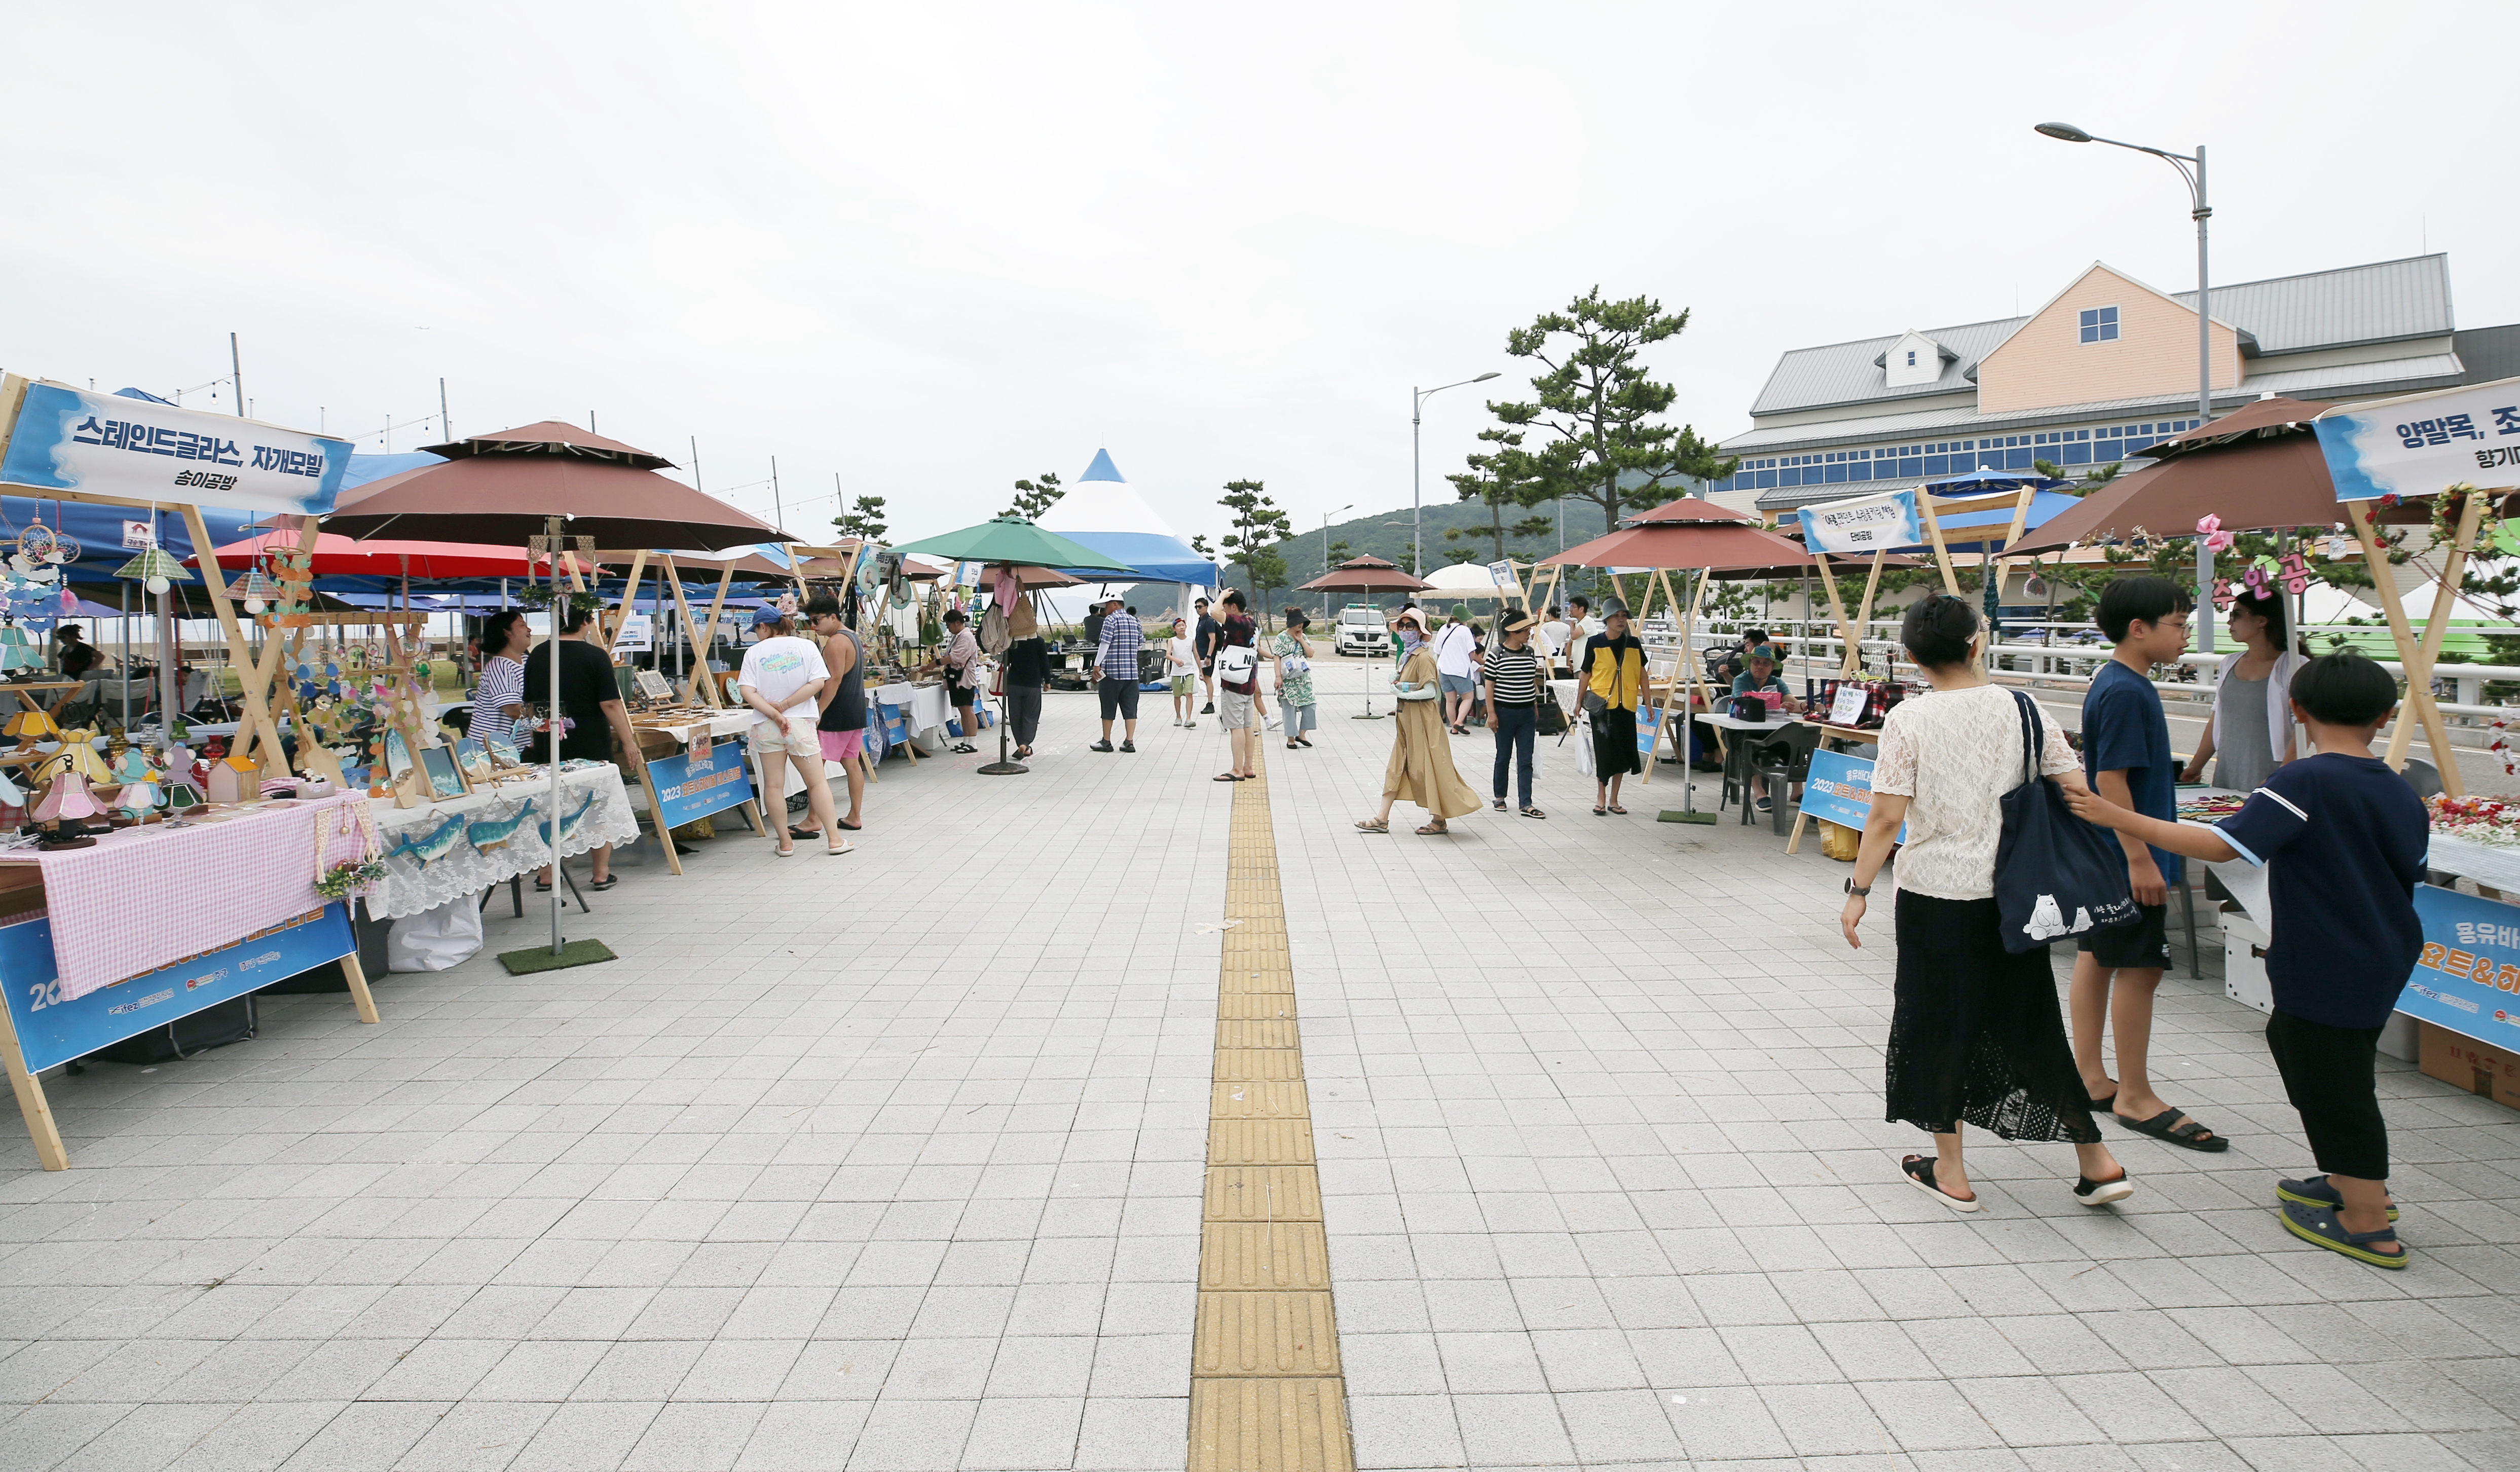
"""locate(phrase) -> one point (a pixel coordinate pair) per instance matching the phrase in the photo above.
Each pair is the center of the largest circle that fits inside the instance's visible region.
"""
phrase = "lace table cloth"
(496, 817)
(147, 897)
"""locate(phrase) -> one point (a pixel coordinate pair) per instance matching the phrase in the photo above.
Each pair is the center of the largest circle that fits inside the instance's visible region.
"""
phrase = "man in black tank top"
(843, 721)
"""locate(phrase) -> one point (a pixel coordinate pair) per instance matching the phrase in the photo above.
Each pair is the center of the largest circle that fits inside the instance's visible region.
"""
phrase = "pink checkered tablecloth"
(145, 898)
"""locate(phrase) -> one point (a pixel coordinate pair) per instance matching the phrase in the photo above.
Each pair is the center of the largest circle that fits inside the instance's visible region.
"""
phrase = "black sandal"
(1920, 1175)
(1500, 804)
(2191, 1136)
(1529, 812)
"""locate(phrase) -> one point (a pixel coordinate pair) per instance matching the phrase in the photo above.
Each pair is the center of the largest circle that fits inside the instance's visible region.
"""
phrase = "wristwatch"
(1858, 893)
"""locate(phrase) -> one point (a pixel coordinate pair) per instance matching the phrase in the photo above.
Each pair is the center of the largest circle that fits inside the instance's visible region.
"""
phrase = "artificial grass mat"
(540, 957)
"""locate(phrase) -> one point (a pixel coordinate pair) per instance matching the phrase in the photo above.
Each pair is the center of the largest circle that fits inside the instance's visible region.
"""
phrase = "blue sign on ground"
(52, 1029)
(1840, 789)
(2467, 976)
(689, 788)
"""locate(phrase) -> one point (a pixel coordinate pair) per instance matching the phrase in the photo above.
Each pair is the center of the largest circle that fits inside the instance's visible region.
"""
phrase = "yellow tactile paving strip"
(1266, 1393)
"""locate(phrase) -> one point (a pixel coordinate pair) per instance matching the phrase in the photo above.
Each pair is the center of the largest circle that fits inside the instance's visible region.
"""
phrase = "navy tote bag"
(2056, 875)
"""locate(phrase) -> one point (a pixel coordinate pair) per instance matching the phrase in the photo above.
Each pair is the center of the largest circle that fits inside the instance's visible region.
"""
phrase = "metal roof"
(2381, 302)
(1843, 372)
(2491, 353)
(2360, 379)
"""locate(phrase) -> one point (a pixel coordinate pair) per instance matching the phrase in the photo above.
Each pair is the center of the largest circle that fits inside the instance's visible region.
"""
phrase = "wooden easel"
(1851, 635)
(1688, 682)
(2417, 656)
(1930, 510)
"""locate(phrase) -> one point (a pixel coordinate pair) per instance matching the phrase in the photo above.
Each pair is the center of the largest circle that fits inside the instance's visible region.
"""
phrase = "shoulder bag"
(2056, 875)
(1545, 713)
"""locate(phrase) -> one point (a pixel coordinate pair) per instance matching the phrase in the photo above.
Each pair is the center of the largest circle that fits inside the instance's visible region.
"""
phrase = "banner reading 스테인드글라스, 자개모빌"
(81, 442)
(2426, 443)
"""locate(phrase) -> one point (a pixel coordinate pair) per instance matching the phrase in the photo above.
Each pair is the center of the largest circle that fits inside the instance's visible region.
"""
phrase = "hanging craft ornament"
(157, 568)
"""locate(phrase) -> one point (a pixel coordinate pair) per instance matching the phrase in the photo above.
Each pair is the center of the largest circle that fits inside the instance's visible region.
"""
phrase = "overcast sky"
(932, 248)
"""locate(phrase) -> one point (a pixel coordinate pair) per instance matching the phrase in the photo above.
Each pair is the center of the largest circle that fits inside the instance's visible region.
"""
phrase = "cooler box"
(2244, 961)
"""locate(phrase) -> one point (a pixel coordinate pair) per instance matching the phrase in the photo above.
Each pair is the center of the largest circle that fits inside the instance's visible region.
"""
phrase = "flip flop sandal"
(1533, 813)
(2101, 1192)
(2317, 1224)
(1225, 777)
(855, 827)
(1615, 808)
(1433, 830)
(2318, 1190)
(2191, 1136)
(1920, 1175)
(1601, 812)
(540, 888)
(1373, 826)
(1498, 805)
(845, 848)
(785, 853)
(605, 883)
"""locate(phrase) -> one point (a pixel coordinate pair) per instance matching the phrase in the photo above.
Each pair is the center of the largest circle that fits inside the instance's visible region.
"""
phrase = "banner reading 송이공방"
(102, 444)
(2467, 976)
(2426, 443)
(1863, 523)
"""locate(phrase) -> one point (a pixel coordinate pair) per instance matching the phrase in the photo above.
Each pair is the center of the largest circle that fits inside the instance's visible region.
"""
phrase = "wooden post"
(1837, 609)
(629, 597)
(1671, 688)
(357, 977)
(708, 637)
(2410, 655)
(1942, 549)
(657, 814)
(31, 1103)
(1863, 613)
(2436, 628)
(257, 723)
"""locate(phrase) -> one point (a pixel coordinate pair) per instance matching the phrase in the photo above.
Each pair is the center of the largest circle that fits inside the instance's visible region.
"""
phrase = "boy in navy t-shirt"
(2126, 760)
(2341, 839)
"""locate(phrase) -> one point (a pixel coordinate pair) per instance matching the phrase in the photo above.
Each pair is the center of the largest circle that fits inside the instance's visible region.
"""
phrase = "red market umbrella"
(500, 487)
(1367, 574)
(340, 556)
(2257, 468)
(1720, 545)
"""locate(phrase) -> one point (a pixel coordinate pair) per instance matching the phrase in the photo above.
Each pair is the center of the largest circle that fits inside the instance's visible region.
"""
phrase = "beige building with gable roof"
(2104, 369)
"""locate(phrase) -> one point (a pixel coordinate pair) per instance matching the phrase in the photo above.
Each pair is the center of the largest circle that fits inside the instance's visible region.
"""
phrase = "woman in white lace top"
(1976, 1032)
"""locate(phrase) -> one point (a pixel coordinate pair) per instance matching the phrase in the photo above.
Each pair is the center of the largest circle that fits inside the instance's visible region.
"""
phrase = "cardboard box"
(2465, 1063)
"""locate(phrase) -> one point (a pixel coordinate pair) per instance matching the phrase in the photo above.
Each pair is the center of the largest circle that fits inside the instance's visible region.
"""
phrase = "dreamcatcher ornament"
(353, 876)
(31, 589)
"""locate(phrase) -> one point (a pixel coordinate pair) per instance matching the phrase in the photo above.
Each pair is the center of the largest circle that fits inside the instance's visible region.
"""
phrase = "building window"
(2099, 324)
(1912, 357)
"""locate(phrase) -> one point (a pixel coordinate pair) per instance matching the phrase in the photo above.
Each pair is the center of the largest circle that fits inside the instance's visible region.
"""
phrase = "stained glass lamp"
(157, 568)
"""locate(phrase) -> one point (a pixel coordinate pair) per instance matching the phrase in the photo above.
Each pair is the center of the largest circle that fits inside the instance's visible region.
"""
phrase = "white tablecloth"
(411, 886)
(928, 705)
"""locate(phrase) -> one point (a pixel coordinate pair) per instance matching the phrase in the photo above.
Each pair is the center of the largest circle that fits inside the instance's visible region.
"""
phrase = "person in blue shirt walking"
(2341, 839)
(2126, 760)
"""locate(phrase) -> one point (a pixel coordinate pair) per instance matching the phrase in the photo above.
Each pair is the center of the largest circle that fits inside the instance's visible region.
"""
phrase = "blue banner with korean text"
(2467, 976)
(102, 444)
(2426, 443)
(691, 788)
(53, 1030)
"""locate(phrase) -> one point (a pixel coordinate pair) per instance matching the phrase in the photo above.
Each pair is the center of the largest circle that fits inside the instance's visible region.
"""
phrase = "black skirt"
(1614, 744)
(1976, 1034)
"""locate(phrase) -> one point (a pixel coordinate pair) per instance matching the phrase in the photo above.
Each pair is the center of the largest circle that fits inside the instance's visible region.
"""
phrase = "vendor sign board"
(700, 781)
(76, 441)
(2426, 443)
(53, 1029)
(1838, 789)
(1863, 523)
(2467, 976)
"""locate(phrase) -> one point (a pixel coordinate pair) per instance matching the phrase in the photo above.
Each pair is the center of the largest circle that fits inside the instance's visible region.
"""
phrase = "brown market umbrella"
(2257, 468)
(500, 487)
(1368, 574)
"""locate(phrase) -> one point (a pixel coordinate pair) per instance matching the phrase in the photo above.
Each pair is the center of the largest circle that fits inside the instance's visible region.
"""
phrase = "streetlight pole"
(1416, 401)
(2200, 212)
(1326, 557)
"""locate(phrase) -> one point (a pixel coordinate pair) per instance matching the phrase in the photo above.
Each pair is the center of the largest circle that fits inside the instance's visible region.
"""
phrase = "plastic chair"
(1784, 762)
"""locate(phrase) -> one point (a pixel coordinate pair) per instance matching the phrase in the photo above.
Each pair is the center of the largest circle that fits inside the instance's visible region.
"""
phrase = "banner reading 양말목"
(77, 441)
(2426, 443)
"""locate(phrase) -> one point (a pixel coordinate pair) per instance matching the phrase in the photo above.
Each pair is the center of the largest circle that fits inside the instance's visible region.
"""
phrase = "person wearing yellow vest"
(1612, 680)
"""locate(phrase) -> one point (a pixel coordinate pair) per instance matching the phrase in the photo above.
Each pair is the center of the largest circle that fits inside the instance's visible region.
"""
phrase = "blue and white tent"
(1102, 512)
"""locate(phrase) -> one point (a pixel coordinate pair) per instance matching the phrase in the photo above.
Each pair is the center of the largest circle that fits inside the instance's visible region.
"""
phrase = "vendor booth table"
(152, 924)
(461, 846)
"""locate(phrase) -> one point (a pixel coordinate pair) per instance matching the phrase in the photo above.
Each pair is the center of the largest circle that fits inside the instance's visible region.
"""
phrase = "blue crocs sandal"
(2317, 1224)
(2316, 1191)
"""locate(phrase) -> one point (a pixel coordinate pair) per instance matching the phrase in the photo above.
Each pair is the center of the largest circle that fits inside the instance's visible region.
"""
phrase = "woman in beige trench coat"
(1421, 750)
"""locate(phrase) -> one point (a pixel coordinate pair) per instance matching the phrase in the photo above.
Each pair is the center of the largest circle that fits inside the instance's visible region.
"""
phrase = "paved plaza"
(897, 1161)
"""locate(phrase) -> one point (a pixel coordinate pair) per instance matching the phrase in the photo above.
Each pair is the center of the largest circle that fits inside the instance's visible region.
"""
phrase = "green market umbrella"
(1013, 539)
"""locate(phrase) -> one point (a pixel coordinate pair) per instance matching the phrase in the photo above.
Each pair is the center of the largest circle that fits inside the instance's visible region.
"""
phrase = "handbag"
(2056, 875)
(1235, 663)
(1548, 716)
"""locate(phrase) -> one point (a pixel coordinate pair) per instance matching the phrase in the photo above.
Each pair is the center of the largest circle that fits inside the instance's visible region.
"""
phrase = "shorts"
(1119, 698)
(842, 745)
(2140, 946)
(963, 694)
(1232, 711)
(797, 737)
(1181, 685)
(1459, 684)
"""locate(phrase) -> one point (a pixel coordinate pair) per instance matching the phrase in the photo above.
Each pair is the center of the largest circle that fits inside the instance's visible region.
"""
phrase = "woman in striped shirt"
(1511, 680)
(501, 696)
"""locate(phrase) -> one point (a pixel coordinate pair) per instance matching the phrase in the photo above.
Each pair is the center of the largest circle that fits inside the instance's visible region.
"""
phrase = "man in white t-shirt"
(783, 677)
(1551, 638)
(1579, 608)
(1457, 659)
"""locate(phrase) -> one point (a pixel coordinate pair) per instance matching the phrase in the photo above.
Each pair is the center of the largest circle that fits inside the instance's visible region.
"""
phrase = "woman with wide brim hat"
(1420, 769)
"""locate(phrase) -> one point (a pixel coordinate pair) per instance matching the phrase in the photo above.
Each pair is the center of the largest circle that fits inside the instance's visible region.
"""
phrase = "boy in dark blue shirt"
(2341, 839)
(2126, 760)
